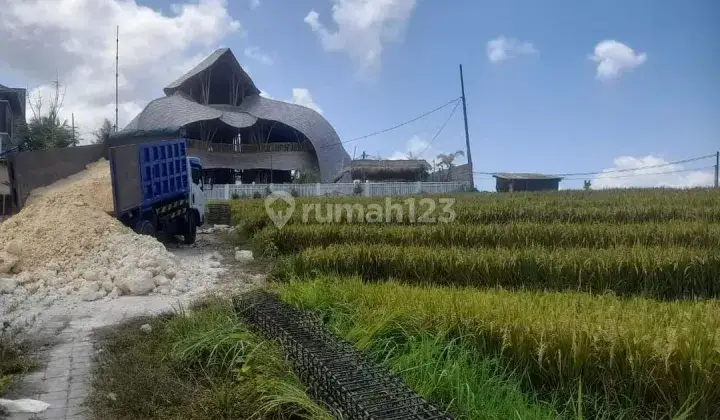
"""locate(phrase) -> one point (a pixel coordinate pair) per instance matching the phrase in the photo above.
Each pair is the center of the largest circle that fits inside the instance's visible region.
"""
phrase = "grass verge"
(202, 364)
(14, 360)
(589, 356)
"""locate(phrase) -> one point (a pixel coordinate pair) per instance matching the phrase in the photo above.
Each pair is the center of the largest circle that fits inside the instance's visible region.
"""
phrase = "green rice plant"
(499, 209)
(656, 272)
(294, 238)
(639, 356)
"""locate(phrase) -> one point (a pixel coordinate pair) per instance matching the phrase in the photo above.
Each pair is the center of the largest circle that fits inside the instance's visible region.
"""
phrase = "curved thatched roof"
(179, 109)
(219, 56)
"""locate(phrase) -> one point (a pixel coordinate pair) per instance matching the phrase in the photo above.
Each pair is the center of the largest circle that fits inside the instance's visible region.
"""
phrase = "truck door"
(197, 195)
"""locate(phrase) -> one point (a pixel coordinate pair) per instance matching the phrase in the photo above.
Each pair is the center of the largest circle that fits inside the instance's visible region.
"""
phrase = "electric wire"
(442, 127)
(647, 174)
(393, 127)
(572, 174)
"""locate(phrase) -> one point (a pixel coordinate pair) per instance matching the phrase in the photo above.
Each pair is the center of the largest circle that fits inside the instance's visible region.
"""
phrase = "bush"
(235, 196)
(257, 195)
(357, 189)
(294, 192)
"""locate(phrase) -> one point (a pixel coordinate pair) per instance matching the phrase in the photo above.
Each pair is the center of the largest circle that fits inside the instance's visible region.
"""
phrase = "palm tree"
(447, 161)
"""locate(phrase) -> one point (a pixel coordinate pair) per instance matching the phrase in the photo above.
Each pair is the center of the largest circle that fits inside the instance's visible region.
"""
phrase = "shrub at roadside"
(13, 357)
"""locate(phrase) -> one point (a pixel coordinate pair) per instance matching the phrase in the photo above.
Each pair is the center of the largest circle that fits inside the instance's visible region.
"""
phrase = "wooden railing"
(249, 148)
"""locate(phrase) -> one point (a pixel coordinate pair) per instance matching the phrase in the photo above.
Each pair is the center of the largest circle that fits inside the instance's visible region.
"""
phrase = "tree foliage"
(46, 129)
(306, 177)
(446, 161)
(101, 134)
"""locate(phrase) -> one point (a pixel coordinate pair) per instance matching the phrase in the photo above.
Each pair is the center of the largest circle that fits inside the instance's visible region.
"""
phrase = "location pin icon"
(279, 218)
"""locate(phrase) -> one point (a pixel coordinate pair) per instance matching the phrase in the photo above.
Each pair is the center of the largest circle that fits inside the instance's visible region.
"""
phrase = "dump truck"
(157, 187)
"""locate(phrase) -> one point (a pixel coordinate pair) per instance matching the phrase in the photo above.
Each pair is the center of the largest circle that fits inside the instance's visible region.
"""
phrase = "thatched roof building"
(379, 170)
(234, 127)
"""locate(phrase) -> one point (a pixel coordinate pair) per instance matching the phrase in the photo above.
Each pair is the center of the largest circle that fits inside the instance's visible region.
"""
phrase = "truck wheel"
(191, 231)
(145, 227)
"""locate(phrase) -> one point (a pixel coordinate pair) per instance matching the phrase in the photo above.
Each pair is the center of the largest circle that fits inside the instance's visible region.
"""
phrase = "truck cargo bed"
(146, 174)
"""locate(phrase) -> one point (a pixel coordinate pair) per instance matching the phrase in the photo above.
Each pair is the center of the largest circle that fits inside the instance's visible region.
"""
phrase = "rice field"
(642, 355)
(295, 238)
(659, 272)
(600, 304)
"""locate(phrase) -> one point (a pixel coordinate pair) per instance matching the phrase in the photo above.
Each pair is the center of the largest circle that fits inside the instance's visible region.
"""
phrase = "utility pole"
(717, 169)
(117, 57)
(72, 118)
(467, 133)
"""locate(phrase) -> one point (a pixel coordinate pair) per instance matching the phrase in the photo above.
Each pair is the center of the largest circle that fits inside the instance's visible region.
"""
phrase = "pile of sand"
(65, 241)
(62, 222)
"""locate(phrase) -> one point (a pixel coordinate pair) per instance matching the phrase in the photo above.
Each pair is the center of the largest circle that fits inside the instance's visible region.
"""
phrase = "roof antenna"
(117, 55)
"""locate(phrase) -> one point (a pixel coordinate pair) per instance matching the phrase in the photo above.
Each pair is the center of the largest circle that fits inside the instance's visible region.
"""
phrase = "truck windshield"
(195, 174)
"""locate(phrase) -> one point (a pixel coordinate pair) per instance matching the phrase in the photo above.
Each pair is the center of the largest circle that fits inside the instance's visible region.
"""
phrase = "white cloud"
(615, 58)
(265, 94)
(651, 177)
(256, 54)
(74, 41)
(502, 48)
(363, 28)
(302, 96)
(416, 147)
(254, 4)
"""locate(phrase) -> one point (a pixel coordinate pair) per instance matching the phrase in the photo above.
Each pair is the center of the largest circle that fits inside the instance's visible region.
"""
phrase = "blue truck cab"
(157, 187)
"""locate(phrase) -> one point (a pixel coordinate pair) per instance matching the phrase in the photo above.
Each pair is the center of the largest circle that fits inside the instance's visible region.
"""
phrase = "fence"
(220, 192)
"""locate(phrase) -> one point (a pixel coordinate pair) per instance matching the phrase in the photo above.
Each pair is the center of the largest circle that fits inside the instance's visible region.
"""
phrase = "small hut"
(385, 170)
(509, 182)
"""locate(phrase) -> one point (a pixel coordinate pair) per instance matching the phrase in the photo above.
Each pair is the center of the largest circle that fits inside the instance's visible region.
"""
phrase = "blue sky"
(539, 112)
(543, 108)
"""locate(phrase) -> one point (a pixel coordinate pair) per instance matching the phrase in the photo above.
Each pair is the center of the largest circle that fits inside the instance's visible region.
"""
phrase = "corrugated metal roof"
(522, 175)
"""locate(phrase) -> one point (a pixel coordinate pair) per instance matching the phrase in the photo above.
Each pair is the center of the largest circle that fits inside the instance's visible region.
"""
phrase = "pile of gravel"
(65, 241)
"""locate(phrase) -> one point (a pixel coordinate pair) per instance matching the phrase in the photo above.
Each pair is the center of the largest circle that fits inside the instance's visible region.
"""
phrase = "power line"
(625, 176)
(648, 174)
(621, 170)
(640, 168)
(442, 127)
(393, 127)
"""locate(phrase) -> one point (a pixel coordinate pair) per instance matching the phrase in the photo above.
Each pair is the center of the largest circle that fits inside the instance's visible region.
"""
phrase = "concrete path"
(67, 323)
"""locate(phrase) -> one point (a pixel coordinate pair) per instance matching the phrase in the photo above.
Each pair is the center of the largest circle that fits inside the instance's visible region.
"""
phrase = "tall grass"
(197, 365)
(658, 272)
(655, 359)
